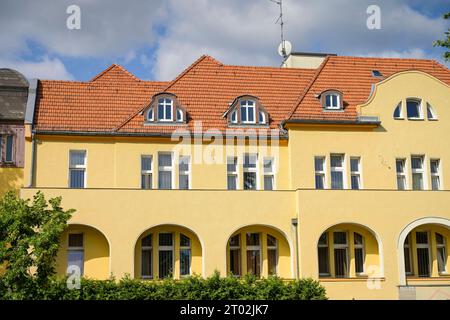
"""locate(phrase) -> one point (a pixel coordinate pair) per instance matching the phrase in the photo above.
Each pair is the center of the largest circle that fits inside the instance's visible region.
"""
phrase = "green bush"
(190, 288)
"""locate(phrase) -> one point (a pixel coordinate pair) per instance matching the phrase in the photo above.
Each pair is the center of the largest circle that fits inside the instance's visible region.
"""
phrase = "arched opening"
(167, 251)
(259, 250)
(423, 249)
(86, 248)
(349, 250)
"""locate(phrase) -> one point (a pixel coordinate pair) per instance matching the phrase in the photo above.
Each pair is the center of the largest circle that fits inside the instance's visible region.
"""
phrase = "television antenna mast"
(285, 47)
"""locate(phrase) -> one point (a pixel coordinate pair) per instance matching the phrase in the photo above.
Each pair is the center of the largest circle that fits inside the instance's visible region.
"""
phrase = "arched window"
(262, 117)
(165, 106)
(431, 114)
(247, 111)
(441, 253)
(323, 253)
(185, 255)
(234, 117)
(331, 100)
(147, 257)
(235, 255)
(359, 253)
(398, 111)
(414, 108)
(150, 115)
(179, 115)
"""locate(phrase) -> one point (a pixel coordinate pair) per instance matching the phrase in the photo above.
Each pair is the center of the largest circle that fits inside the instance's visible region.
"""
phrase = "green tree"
(446, 42)
(29, 242)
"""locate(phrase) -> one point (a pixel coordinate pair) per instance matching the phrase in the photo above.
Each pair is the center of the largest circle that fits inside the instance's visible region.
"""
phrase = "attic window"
(331, 100)
(165, 109)
(247, 111)
(398, 111)
(234, 117)
(262, 117)
(431, 114)
(179, 115)
(376, 73)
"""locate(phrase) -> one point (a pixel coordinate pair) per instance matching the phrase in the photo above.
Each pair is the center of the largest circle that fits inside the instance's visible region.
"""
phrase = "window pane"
(355, 182)
(271, 241)
(250, 161)
(9, 148)
(340, 262)
(147, 263)
(232, 164)
(328, 101)
(401, 183)
(252, 239)
(435, 183)
(166, 239)
(232, 182)
(77, 158)
(400, 164)
(160, 111)
(184, 163)
(324, 264)
(244, 114)
(146, 163)
(249, 180)
(268, 165)
(254, 262)
(337, 181)
(76, 258)
(251, 114)
(417, 181)
(442, 259)
(272, 261)
(165, 160)
(407, 253)
(165, 180)
(340, 237)
(147, 241)
(76, 240)
(434, 166)
(168, 112)
(184, 181)
(323, 240)
(354, 165)
(165, 263)
(235, 241)
(76, 178)
(336, 161)
(335, 100)
(184, 241)
(359, 260)
(423, 259)
(146, 181)
(320, 181)
(358, 239)
(235, 262)
(421, 237)
(318, 163)
(440, 239)
(413, 109)
(416, 163)
(185, 262)
(398, 111)
(268, 182)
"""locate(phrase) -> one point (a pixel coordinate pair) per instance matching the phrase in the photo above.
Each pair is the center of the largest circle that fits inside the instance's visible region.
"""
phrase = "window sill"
(429, 279)
(416, 119)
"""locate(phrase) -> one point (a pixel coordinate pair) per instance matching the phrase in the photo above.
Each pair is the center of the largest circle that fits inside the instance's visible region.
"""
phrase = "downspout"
(297, 262)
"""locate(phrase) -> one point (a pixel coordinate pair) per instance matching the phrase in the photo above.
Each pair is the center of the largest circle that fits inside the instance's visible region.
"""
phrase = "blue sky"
(158, 39)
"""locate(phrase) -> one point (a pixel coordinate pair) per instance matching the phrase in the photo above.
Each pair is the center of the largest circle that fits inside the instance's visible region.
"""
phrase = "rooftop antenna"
(285, 47)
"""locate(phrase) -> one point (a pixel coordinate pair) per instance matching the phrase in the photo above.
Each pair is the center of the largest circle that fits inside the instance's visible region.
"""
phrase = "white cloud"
(414, 53)
(45, 69)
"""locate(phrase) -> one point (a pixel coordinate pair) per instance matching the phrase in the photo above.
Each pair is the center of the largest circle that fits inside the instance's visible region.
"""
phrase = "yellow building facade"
(354, 195)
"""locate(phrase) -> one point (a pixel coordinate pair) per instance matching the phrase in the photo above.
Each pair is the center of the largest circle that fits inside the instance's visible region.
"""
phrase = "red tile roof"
(113, 101)
(353, 77)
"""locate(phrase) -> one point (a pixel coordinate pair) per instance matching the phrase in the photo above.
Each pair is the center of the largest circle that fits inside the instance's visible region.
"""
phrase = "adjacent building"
(335, 168)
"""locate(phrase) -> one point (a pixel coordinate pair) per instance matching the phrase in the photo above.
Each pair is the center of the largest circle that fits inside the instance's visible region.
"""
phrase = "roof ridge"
(185, 71)
(111, 67)
(308, 87)
(382, 58)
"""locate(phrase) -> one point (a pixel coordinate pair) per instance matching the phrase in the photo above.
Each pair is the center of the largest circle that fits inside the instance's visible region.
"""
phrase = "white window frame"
(332, 106)
(322, 173)
(167, 168)
(167, 248)
(338, 169)
(420, 108)
(437, 174)
(442, 246)
(250, 170)
(356, 173)
(152, 111)
(255, 248)
(418, 171)
(190, 255)
(401, 174)
(248, 104)
(165, 106)
(263, 114)
(362, 247)
(148, 248)
(147, 172)
(233, 117)
(178, 111)
(185, 172)
(274, 248)
(424, 246)
(345, 246)
(78, 167)
(235, 173)
(270, 173)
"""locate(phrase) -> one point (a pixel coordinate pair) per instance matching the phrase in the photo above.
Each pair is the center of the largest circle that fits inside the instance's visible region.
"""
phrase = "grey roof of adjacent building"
(13, 94)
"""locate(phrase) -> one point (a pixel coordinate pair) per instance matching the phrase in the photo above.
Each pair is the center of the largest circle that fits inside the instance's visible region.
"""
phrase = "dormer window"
(179, 115)
(234, 117)
(331, 100)
(398, 111)
(431, 114)
(247, 111)
(262, 117)
(165, 106)
(150, 114)
(414, 108)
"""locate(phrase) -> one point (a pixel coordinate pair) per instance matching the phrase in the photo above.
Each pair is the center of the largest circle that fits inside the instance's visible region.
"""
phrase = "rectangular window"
(185, 255)
(77, 168)
(272, 254)
(441, 253)
(9, 148)
(340, 254)
(165, 252)
(359, 253)
(146, 172)
(435, 174)
(232, 174)
(401, 175)
(268, 174)
(319, 167)
(337, 171)
(323, 252)
(247, 111)
(407, 253)
(147, 257)
(250, 171)
(165, 169)
(235, 255)
(417, 172)
(423, 253)
(253, 254)
(355, 172)
(184, 169)
(165, 109)
(75, 251)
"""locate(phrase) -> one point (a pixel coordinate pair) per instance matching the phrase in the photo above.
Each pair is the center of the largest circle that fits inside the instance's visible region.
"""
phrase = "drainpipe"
(33, 160)
(297, 262)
